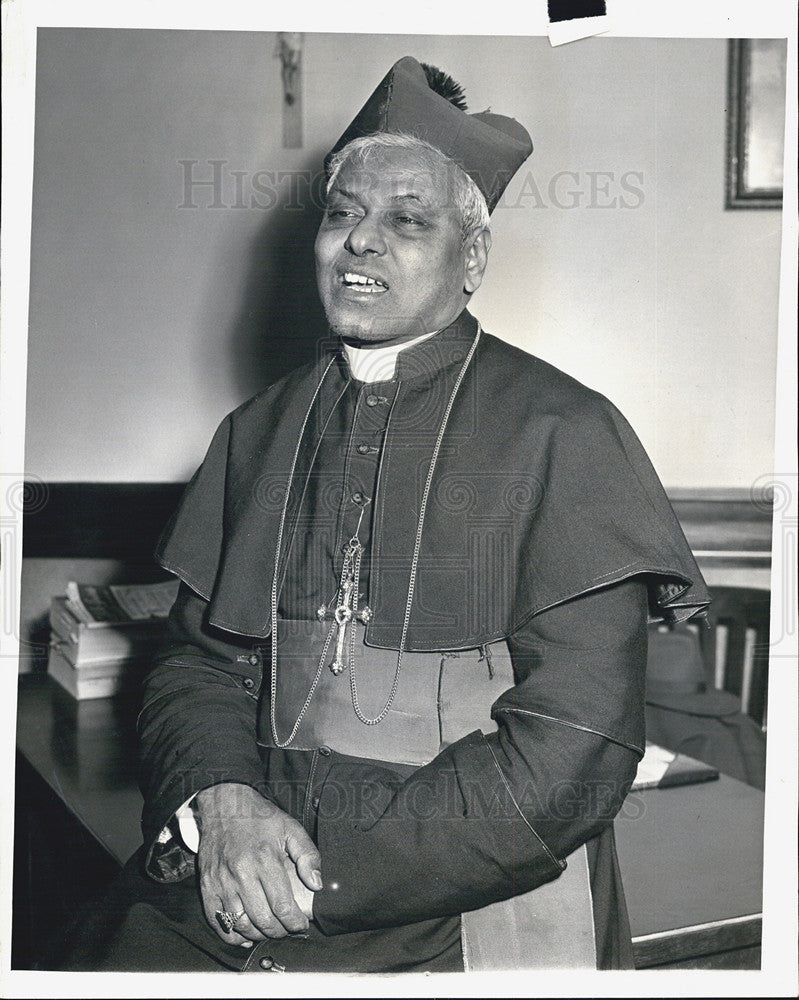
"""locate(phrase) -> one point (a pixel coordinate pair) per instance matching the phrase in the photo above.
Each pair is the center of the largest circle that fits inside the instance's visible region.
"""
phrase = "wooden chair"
(735, 647)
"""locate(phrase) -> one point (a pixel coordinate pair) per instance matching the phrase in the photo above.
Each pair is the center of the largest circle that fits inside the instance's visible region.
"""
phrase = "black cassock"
(489, 787)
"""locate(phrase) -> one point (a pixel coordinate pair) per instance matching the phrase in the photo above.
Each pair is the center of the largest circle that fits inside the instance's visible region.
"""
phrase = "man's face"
(389, 260)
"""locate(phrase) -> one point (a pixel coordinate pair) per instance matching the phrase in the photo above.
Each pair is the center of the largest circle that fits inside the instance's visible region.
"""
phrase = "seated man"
(403, 694)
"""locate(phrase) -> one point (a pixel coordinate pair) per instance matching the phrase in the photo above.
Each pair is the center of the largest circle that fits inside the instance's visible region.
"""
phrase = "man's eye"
(408, 220)
(340, 213)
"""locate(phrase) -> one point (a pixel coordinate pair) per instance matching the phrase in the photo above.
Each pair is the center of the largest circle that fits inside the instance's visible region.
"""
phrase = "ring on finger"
(227, 919)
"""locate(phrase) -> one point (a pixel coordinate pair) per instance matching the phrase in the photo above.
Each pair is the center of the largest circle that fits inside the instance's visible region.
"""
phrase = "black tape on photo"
(570, 10)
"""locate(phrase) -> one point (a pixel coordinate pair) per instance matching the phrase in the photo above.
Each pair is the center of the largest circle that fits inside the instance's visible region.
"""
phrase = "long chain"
(281, 744)
(352, 566)
(415, 560)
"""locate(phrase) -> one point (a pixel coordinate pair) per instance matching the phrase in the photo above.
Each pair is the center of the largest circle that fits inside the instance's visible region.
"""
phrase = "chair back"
(735, 647)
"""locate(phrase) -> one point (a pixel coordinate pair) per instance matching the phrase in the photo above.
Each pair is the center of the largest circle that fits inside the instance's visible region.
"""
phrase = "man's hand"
(254, 857)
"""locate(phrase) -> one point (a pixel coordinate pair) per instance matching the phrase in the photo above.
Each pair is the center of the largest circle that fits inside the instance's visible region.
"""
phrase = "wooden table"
(86, 752)
(691, 857)
(692, 864)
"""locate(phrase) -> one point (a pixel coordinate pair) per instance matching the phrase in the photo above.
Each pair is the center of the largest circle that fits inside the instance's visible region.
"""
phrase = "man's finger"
(277, 888)
(212, 904)
(244, 882)
(259, 914)
(247, 929)
(303, 852)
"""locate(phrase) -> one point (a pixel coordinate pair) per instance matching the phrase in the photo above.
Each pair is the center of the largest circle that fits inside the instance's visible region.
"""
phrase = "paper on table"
(121, 602)
(662, 768)
(652, 766)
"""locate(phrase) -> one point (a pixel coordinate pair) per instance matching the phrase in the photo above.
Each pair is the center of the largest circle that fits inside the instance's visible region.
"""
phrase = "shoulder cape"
(542, 492)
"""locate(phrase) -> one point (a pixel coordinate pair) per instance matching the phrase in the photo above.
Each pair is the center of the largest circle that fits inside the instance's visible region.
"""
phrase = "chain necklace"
(347, 611)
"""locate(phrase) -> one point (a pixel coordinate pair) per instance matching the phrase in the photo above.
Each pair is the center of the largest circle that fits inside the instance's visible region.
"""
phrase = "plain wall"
(149, 321)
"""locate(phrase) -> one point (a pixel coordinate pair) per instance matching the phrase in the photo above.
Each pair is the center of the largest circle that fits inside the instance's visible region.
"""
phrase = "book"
(100, 680)
(662, 768)
(118, 603)
(91, 642)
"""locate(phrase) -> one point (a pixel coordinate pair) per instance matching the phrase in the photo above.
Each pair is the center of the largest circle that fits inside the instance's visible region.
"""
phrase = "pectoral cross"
(346, 612)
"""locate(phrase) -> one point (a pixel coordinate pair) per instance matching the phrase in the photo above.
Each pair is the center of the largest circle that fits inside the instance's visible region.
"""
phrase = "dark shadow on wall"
(281, 321)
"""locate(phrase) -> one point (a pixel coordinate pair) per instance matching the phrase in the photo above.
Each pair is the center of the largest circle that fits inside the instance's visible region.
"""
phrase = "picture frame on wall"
(756, 122)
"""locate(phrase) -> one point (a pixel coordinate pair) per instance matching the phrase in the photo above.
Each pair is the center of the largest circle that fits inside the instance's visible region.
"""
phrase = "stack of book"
(102, 637)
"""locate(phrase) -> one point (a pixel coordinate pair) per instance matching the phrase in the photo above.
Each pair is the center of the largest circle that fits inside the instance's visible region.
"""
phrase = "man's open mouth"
(351, 279)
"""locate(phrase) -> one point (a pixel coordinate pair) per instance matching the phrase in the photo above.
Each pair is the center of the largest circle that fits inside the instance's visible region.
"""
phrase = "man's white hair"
(467, 197)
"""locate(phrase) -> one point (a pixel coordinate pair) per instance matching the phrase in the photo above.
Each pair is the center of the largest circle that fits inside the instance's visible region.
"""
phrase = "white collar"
(378, 364)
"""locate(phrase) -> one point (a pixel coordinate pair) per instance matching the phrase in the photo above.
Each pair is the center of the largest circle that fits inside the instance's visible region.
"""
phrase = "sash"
(440, 698)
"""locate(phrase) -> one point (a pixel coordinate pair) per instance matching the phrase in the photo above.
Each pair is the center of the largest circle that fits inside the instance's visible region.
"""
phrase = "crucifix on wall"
(289, 51)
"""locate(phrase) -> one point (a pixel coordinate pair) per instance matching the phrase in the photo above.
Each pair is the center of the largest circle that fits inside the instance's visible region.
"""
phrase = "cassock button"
(253, 660)
(358, 497)
(248, 682)
(372, 400)
(362, 449)
(325, 751)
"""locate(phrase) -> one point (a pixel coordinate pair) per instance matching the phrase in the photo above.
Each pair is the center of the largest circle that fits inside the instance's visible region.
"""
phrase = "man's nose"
(365, 237)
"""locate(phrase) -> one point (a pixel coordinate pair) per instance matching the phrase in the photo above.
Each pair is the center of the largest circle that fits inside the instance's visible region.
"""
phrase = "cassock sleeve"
(196, 726)
(496, 815)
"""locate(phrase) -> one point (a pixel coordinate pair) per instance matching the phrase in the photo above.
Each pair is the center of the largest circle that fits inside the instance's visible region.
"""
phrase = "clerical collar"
(378, 364)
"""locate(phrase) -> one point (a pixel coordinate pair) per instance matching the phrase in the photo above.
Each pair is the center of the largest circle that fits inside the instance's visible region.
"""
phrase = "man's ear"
(476, 260)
